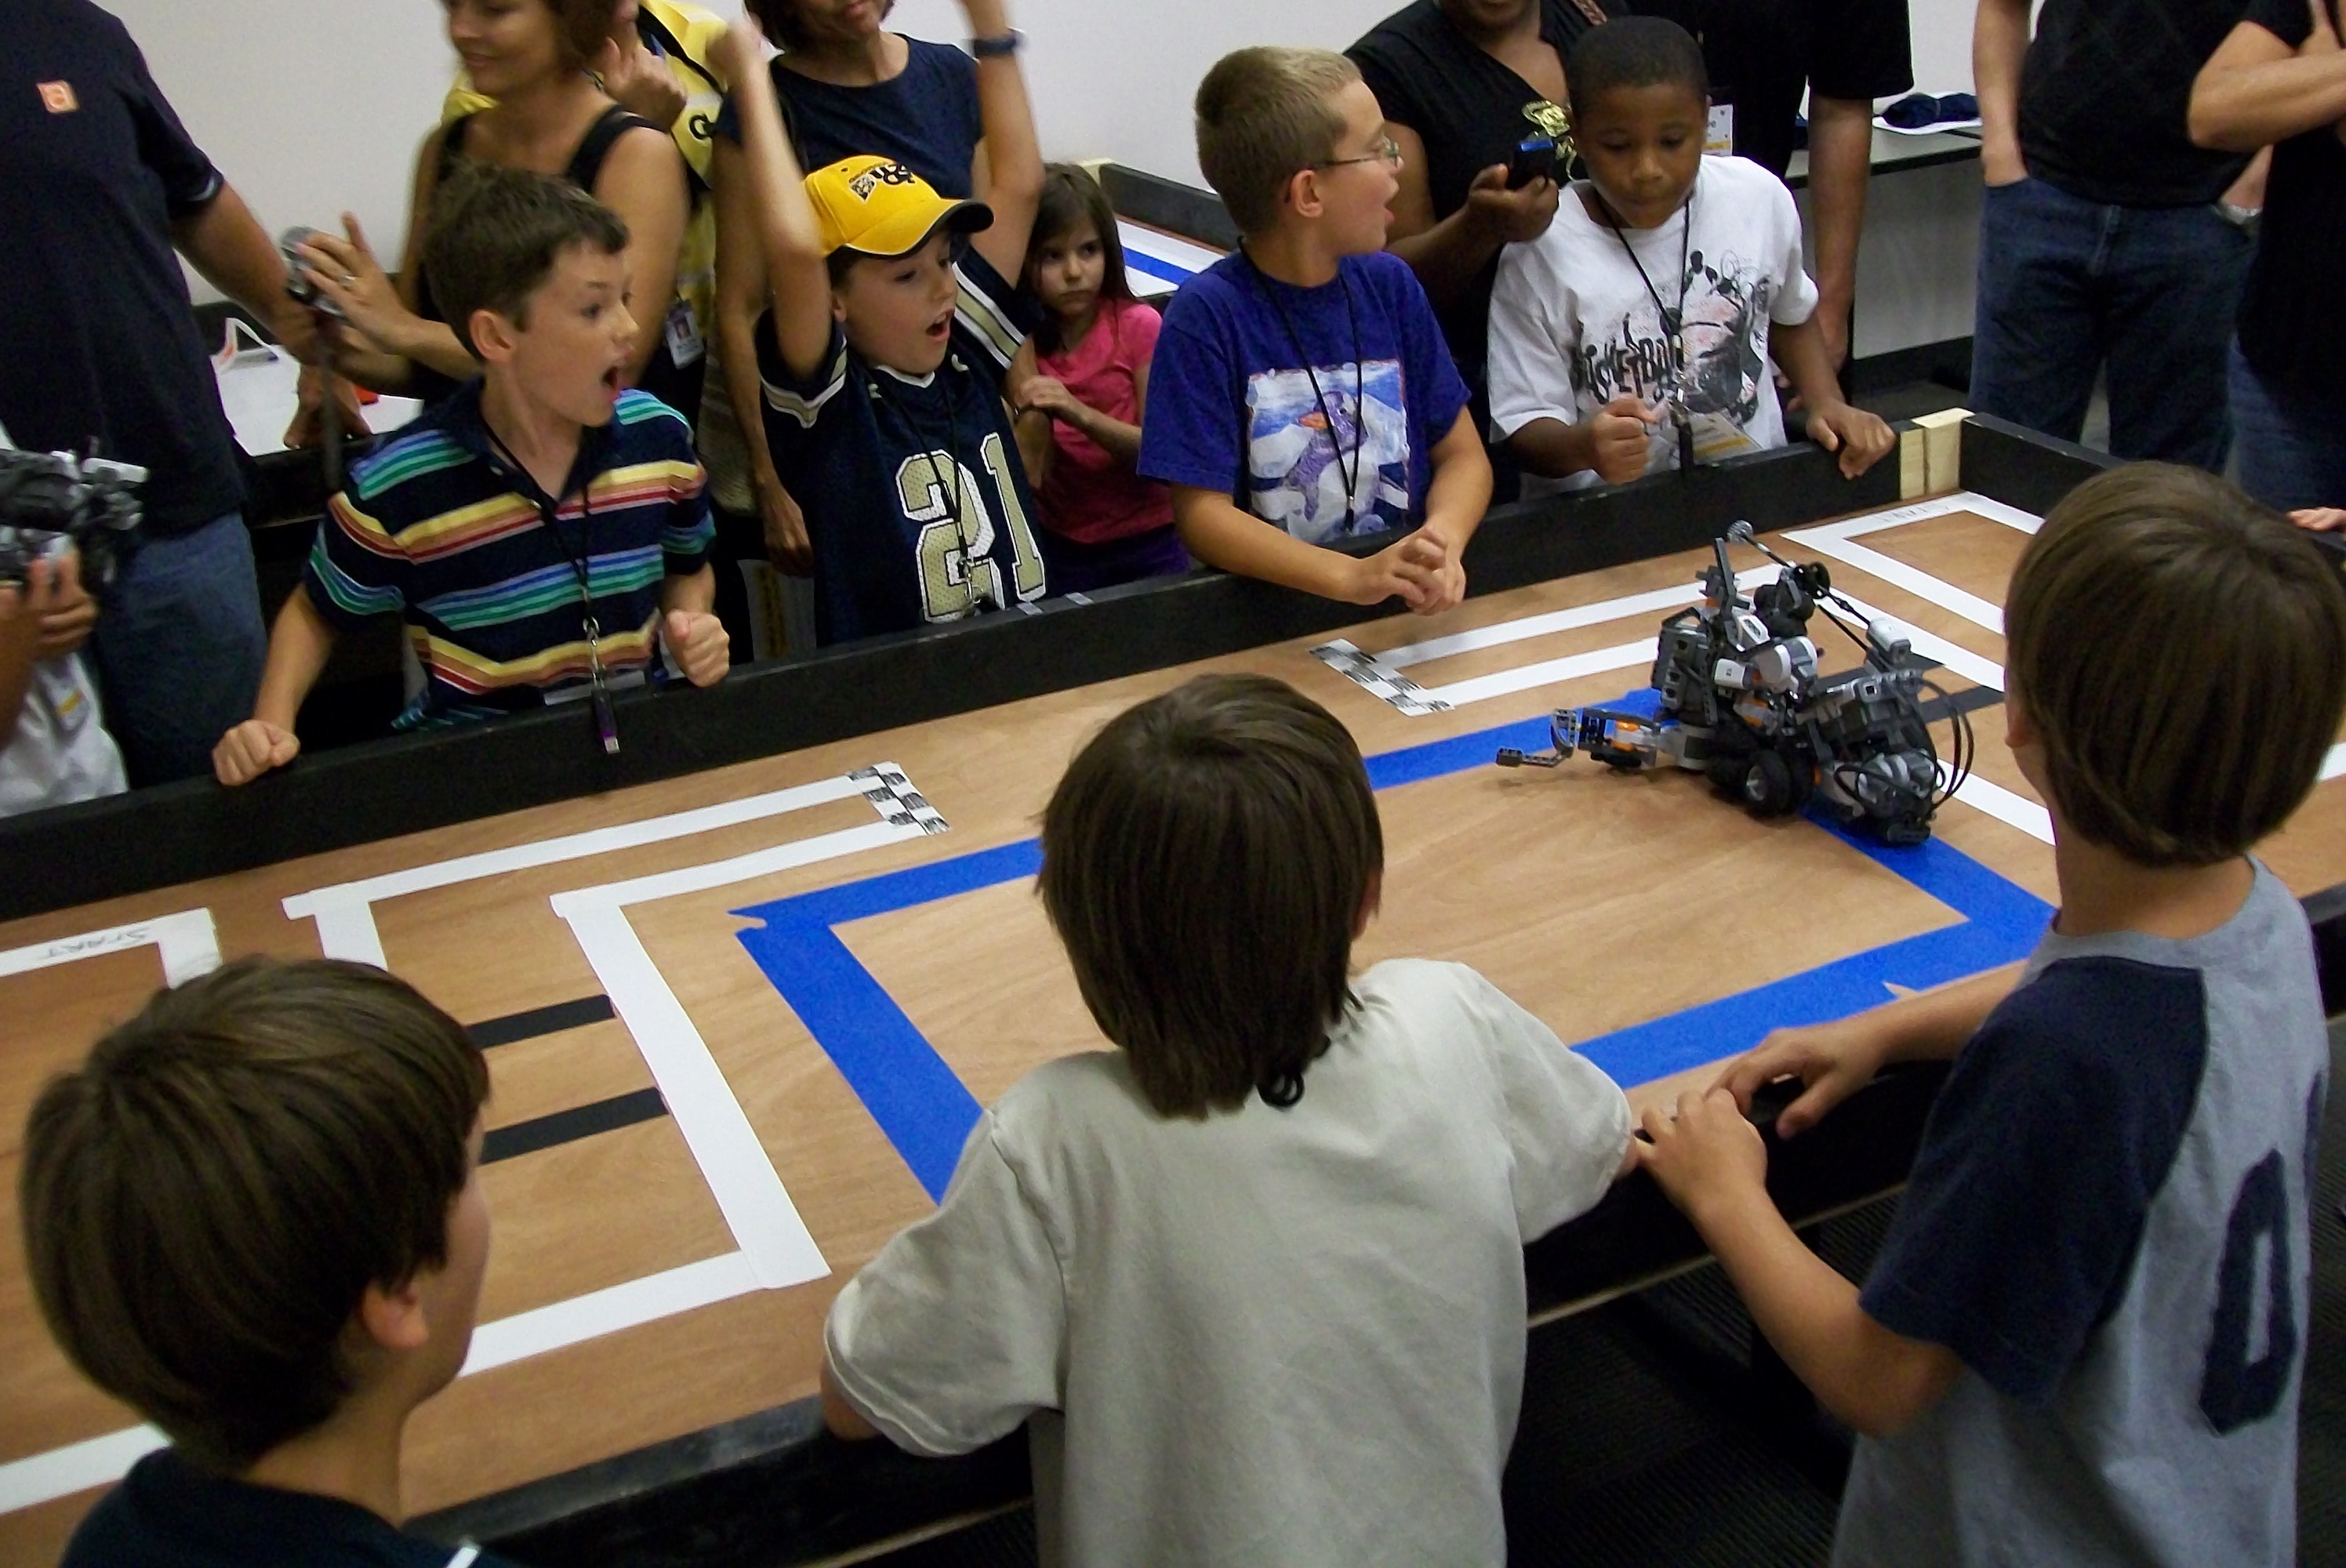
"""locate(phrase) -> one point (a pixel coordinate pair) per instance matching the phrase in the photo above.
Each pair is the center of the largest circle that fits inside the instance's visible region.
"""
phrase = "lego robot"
(1737, 696)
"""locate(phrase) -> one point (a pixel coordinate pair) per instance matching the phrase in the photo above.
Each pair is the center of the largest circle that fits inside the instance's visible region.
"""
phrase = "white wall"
(314, 109)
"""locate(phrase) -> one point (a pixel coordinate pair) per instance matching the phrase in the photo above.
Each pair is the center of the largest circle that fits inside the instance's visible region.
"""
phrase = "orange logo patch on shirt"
(58, 98)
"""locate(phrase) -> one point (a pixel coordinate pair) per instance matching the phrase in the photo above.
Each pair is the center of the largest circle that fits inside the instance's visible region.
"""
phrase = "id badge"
(1719, 131)
(685, 346)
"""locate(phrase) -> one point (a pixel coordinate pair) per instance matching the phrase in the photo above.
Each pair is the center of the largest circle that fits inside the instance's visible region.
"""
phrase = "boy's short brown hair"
(2180, 651)
(207, 1198)
(495, 235)
(1206, 859)
(1264, 114)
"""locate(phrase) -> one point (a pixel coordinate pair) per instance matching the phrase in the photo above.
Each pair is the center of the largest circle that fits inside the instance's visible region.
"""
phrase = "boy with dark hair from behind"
(2084, 1339)
(1302, 395)
(255, 1216)
(541, 531)
(1257, 1274)
(895, 316)
(1634, 335)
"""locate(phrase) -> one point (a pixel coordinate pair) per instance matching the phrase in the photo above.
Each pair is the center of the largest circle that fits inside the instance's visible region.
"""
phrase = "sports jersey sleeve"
(1531, 348)
(1567, 1124)
(955, 1333)
(1433, 379)
(190, 180)
(2054, 1131)
(1193, 431)
(799, 400)
(991, 317)
(357, 570)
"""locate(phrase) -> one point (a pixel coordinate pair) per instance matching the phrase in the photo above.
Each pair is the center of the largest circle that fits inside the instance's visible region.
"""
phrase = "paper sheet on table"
(257, 388)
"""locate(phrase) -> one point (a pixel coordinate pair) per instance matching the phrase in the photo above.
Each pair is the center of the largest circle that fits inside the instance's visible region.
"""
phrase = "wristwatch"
(997, 48)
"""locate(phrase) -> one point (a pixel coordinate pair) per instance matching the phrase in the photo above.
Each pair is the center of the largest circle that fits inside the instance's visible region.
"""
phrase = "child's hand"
(60, 606)
(740, 54)
(1832, 1061)
(1704, 1151)
(1618, 434)
(2320, 519)
(1049, 394)
(1419, 570)
(252, 750)
(783, 524)
(1510, 217)
(1863, 439)
(308, 428)
(699, 643)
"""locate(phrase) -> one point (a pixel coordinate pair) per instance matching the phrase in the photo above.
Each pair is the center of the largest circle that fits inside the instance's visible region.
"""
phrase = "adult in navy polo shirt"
(100, 184)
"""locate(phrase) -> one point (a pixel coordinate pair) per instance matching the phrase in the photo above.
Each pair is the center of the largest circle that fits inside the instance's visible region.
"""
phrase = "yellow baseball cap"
(877, 206)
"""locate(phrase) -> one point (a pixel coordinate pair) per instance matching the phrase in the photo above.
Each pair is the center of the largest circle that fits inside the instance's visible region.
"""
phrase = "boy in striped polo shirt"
(542, 531)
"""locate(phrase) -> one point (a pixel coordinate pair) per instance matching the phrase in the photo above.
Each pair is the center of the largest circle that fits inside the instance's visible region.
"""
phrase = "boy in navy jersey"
(2084, 1339)
(895, 316)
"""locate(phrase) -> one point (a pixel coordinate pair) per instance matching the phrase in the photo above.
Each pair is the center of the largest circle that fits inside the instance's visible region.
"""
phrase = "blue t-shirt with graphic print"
(1317, 409)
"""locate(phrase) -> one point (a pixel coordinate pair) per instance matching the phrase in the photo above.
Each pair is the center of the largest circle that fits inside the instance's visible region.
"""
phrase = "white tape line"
(2334, 764)
(76, 1467)
(573, 846)
(347, 929)
(1923, 510)
(740, 868)
(1572, 619)
(723, 1144)
(1898, 574)
(103, 1460)
(1974, 667)
(607, 1311)
(1596, 661)
(2001, 803)
(188, 943)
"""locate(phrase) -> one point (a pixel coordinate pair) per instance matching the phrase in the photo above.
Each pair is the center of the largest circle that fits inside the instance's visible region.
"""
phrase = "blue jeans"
(178, 647)
(2067, 286)
(2292, 447)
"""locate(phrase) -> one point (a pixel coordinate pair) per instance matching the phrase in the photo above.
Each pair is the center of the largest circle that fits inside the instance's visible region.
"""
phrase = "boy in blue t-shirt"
(1301, 394)
(895, 318)
(255, 1216)
(2084, 1339)
(542, 531)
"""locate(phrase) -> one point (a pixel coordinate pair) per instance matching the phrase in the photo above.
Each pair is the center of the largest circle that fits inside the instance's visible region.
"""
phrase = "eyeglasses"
(1388, 152)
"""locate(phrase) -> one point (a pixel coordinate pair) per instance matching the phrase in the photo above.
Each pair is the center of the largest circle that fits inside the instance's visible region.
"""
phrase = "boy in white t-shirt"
(1257, 1275)
(1634, 336)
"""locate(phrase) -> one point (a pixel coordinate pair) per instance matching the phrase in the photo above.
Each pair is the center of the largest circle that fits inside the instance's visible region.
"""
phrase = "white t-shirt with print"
(1574, 325)
(1269, 1336)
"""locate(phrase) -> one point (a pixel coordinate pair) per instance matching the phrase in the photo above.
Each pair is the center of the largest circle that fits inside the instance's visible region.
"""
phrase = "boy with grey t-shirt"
(2084, 1339)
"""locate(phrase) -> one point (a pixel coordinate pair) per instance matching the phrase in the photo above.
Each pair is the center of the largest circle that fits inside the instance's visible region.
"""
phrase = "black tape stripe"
(1971, 699)
(569, 1127)
(518, 1026)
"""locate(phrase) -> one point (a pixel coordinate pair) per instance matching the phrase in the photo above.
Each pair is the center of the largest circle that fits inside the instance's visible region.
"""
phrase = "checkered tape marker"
(893, 796)
(1379, 680)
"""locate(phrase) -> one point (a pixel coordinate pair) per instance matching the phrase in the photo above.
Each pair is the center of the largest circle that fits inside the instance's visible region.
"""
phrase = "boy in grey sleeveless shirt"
(2084, 1339)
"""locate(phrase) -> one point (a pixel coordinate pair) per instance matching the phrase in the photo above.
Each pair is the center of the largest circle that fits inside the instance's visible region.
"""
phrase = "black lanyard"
(1351, 477)
(549, 511)
(1673, 321)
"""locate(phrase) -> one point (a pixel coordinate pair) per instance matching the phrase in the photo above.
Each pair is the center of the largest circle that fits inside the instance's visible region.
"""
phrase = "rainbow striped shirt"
(439, 530)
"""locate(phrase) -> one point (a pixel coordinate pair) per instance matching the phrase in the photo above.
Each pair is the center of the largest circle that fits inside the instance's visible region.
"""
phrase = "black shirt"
(1764, 53)
(168, 1514)
(2106, 100)
(2292, 319)
(98, 339)
(1470, 110)
(925, 117)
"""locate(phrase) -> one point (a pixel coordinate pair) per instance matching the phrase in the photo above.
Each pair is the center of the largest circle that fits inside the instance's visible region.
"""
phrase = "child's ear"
(393, 1317)
(2019, 730)
(1303, 193)
(493, 338)
(839, 306)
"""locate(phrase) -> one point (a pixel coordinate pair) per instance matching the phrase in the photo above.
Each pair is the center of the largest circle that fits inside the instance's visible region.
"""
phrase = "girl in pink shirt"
(1080, 403)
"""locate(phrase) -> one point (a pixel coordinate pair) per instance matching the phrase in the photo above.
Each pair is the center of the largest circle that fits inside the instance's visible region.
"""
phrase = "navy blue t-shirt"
(925, 118)
(915, 500)
(1316, 410)
(98, 339)
(168, 1514)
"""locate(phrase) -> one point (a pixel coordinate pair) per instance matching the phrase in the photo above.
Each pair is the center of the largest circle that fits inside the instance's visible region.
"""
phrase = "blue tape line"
(926, 1112)
(1157, 266)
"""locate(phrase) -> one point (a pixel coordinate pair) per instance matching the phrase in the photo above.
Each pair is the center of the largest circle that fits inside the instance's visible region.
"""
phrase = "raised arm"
(741, 297)
(1014, 157)
(2256, 90)
(789, 235)
(1999, 46)
(643, 181)
(382, 313)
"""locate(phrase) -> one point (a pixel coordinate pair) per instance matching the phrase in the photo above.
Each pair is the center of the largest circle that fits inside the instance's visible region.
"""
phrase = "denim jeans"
(2292, 447)
(178, 647)
(2068, 287)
